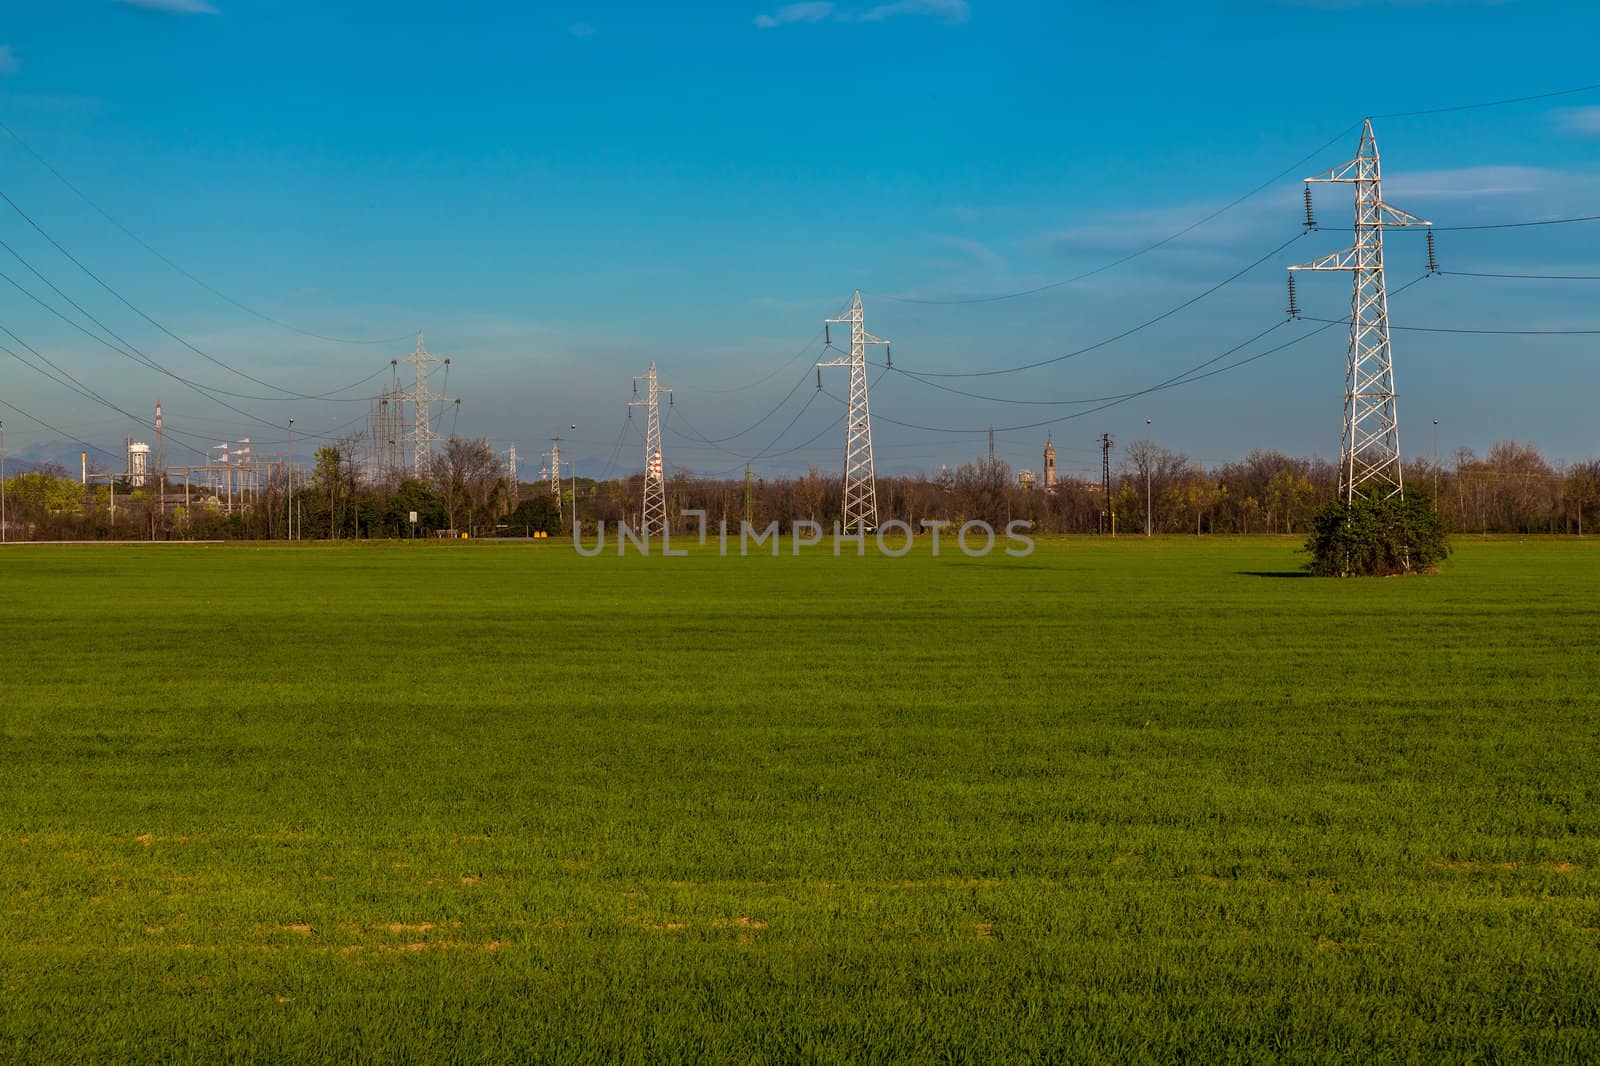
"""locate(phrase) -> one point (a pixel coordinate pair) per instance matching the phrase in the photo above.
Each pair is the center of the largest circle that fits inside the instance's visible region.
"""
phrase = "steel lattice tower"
(860, 484)
(554, 455)
(1369, 455)
(422, 399)
(654, 515)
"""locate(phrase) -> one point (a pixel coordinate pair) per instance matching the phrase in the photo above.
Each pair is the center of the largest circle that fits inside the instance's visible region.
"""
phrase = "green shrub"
(1375, 536)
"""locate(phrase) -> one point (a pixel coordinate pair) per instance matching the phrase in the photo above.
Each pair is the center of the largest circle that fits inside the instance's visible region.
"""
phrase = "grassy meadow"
(1149, 800)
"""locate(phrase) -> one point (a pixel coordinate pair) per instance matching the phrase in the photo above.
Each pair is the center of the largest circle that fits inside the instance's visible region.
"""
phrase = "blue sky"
(560, 193)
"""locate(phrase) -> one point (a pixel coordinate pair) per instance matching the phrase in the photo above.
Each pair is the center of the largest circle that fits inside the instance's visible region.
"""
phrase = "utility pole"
(573, 467)
(1370, 451)
(422, 398)
(161, 468)
(991, 445)
(654, 515)
(288, 529)
(860, 482)
(1436, 465)
(554, 455)
(3, 481)
(1150, 448)
(1107, 518)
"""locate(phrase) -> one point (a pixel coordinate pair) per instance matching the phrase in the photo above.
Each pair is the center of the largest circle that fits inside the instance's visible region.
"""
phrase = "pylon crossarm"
(1342, 260)
(1343, 174)
(1393, 216)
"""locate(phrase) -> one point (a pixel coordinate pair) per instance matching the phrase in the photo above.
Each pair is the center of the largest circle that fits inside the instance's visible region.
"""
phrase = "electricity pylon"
(1369, 455)
(654, 516)
(747, 494)
(554, 455)
(422, 398)
(860, 485)
(512, 475)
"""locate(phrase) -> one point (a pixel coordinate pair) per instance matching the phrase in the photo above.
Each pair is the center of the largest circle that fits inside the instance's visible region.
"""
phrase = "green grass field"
(473, 802)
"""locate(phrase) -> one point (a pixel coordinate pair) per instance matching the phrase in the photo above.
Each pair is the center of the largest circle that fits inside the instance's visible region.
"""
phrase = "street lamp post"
(1435, 464)
(573, 467)
(1147, 457)
(288, 518)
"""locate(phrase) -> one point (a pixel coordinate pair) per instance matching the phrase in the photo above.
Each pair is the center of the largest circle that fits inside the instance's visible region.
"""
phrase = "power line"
(1518, 225)
(129, 352)
(1336, 138)
(1522, 277)
(140, 241)
(72, 384)
(1142, 251)
(1186, 378)
(616, 449)
(127, 349)
(795, 358)
(1086, 399)
(1146, 324)
(1491, 103)
(130, 306)
(56, 430)
(1483, 332)
(756, 425)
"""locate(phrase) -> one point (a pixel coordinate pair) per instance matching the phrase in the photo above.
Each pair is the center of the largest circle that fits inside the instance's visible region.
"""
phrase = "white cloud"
(980, 254)
(173, 7)
(951, 11)
(1584, 121)
(1471, 183)
(9, 63)
(811, 11)
(582, 29)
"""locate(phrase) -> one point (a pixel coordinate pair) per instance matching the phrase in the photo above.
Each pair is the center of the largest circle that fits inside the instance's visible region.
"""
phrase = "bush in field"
(1377, 537)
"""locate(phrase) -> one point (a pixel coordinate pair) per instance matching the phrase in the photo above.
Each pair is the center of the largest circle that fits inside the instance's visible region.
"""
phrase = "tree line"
(467, 489)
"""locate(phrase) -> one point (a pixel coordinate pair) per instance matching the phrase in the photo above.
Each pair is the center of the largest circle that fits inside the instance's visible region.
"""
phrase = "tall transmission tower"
(654, 515)
(554, 455)
(747, 518)
(1106, 444)
(511, 473)
(422, 398)
(860, 484)
(1369, 454)
(386, 425)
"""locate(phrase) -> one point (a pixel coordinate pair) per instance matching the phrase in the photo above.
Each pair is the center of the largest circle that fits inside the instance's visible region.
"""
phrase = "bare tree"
(469, 478)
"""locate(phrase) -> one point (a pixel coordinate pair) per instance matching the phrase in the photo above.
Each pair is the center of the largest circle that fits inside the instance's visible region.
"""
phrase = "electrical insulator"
(1311, 220)
(888, 353)
(819, 379)
(1433, 259)
(827, 340)
(1294, 305)
(669, 399)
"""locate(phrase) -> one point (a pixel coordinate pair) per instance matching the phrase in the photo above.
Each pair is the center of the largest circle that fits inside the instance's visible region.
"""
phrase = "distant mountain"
(57, 453)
